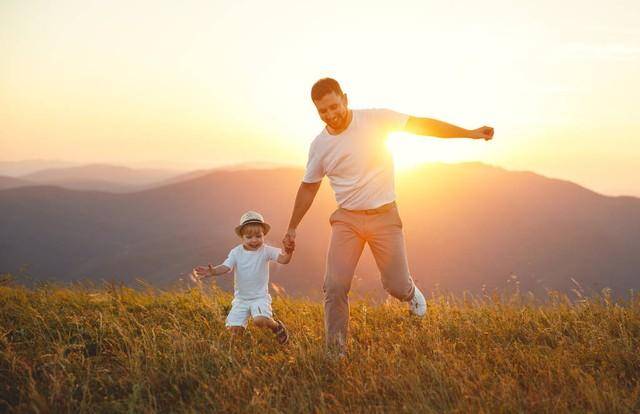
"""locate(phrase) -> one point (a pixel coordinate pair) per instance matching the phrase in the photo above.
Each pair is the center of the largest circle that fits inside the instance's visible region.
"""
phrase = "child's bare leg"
(264, 322)
(277, 327)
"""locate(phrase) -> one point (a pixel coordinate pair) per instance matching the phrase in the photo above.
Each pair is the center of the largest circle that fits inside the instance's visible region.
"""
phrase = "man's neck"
(332, 131)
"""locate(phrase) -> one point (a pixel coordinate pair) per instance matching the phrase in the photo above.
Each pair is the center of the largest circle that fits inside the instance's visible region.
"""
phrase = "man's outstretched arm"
(306, 194)
(440, 129)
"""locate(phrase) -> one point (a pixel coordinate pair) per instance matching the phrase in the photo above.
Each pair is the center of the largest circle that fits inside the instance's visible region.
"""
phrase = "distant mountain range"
(19, 168)
(92, 177)
(101, 177)
(467, 226)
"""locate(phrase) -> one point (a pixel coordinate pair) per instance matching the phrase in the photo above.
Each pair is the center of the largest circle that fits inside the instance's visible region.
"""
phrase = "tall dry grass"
(119, 350)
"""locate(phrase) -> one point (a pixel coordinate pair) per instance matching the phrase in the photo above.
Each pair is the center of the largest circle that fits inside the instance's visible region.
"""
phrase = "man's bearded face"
(333, 110)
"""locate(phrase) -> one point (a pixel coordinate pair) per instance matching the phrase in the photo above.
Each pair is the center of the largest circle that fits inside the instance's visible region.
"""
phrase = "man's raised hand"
(484, 132)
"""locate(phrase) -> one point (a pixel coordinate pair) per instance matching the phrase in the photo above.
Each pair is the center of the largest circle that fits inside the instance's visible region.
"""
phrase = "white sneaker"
(418, 305)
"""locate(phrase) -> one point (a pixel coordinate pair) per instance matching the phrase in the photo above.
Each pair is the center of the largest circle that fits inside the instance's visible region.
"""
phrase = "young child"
(250, 260)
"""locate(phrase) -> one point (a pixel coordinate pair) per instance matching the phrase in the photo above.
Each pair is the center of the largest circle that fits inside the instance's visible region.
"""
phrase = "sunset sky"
(204, 83)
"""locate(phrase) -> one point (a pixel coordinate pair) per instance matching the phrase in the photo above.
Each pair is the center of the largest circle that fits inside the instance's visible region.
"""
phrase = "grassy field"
(120, 350)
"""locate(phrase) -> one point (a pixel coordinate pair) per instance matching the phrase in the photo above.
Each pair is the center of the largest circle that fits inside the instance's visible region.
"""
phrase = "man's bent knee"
(403, 292)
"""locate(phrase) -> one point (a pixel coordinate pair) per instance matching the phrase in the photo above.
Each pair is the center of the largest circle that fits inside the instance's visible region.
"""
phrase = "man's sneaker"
(282, 335)
(418, 305)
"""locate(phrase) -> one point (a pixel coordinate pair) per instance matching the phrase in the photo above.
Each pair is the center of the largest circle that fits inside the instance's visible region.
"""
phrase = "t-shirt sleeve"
(315, 171)
(230, 262)
(273, 253)
(391, 120)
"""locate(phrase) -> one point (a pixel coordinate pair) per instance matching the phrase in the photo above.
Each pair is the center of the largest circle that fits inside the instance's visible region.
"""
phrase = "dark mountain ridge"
(466, 225)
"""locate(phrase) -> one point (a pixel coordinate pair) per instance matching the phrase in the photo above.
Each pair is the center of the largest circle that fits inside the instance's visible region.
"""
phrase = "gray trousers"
(349, 232)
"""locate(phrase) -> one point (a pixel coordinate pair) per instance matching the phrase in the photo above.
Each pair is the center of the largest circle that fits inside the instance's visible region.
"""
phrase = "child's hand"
(193, 278)
(290, 248)
(200, 272)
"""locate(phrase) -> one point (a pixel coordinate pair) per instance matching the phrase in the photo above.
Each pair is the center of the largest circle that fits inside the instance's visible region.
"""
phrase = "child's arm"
(285, 256)
(205, 271)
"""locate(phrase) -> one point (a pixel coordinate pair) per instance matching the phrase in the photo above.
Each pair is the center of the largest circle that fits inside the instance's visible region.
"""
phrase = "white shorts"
(242, 309)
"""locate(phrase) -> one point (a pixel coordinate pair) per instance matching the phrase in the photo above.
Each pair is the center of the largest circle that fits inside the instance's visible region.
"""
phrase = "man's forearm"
(435, 128)
(306, 194)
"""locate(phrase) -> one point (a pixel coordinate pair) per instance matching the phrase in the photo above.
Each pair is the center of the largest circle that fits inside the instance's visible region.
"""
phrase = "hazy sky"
(203, 83)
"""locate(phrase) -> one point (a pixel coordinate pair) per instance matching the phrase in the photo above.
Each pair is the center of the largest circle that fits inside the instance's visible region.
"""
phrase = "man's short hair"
(325, 86)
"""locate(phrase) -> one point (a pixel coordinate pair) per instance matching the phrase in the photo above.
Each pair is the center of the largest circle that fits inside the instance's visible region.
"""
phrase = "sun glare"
(411, 150)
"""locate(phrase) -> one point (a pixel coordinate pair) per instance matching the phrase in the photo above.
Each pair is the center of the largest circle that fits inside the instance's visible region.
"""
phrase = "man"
(351, 152)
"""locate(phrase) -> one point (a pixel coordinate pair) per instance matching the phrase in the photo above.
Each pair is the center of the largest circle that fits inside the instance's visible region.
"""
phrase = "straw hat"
(252, 217)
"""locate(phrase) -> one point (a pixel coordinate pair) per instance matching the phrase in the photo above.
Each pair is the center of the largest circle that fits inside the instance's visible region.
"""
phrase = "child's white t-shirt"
(251, 270)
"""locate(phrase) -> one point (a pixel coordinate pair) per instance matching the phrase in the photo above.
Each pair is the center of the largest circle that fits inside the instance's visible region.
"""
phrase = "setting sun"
(411, 150)
(191, 86)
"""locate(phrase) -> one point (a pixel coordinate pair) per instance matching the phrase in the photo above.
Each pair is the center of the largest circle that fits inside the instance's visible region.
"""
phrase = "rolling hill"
(12, 182)
(467, 226)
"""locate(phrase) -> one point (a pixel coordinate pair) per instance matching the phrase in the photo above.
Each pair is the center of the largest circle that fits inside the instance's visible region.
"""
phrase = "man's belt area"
(382, 209)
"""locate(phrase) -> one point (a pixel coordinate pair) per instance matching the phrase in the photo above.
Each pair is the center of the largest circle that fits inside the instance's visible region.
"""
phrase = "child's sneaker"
(282, 335)
(418, 305)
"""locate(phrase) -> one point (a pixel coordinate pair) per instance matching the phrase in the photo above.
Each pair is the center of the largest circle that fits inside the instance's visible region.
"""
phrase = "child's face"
(252, 238)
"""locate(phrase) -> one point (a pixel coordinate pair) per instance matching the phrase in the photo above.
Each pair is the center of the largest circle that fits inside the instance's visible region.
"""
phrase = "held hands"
(289, 241)
(484, 132)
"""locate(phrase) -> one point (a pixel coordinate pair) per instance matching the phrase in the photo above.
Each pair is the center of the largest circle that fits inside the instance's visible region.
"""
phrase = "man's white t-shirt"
(251, 270)
(357, 161)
